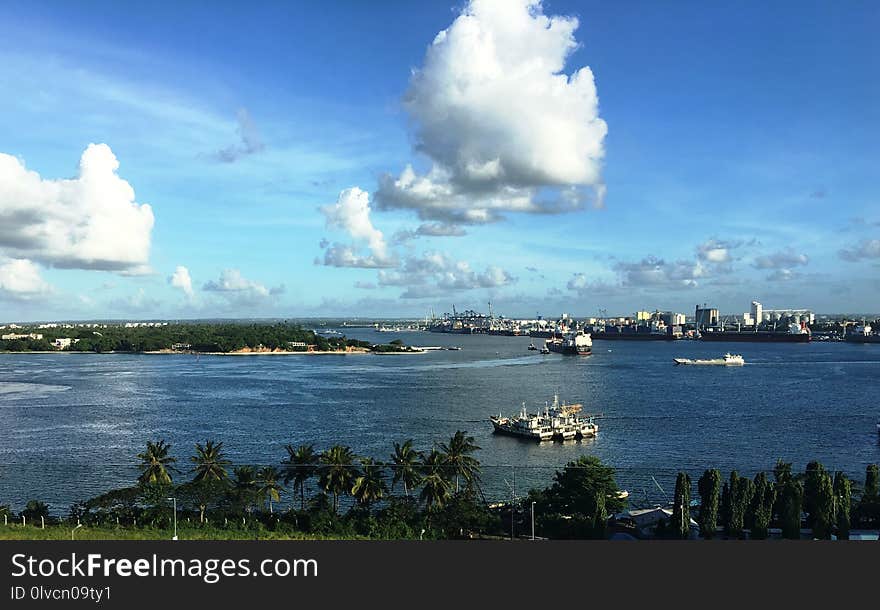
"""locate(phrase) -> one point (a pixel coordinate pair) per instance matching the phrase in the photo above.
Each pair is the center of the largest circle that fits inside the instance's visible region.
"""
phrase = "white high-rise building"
(757, 311)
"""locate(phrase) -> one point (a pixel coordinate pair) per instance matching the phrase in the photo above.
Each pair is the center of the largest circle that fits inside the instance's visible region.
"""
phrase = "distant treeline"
(197, 337)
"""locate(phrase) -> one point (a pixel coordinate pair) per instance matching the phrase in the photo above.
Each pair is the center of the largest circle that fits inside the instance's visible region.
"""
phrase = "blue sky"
(736, 148)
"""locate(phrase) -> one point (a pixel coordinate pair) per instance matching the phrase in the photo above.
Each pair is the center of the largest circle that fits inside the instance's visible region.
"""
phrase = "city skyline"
(214, 161)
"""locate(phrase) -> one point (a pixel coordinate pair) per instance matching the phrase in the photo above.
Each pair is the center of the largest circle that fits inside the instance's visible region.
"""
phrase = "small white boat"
(727, 360)
(532, 347)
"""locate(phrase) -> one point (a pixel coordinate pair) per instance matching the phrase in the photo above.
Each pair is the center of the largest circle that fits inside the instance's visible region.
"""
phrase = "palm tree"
(210, 464)
(210, 476)
(435, 486)
(370, 486)
(457, 454)
(299, 467)
(337, 472)
(268, 488)
(405, 459)
(156, 464)
(245, 485)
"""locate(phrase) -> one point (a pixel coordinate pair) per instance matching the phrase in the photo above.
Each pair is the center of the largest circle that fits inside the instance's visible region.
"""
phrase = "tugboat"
(727, 360)
(575, 342)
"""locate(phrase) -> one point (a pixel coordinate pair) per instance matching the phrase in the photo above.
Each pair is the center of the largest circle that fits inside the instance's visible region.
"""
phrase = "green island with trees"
(436, 494)
(185, 337)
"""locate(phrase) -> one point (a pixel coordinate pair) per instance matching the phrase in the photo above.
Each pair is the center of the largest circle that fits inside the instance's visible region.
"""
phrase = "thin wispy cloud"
(249, 142)
(865, 249)
(241, 291)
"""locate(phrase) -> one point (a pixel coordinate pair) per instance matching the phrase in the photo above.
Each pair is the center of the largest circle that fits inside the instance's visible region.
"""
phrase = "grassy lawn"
(62, 532)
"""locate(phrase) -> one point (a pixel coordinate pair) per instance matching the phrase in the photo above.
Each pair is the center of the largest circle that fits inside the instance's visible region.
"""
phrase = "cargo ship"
(576, 343)
(796, 333)
(636, 333)
(862, 334)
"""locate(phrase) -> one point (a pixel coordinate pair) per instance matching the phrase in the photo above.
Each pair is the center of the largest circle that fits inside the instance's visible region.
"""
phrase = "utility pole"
(512, 503)
(533, 520)
(174, 500)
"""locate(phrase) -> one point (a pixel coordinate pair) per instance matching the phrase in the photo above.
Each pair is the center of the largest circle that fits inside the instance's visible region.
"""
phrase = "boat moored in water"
(575, 342)
(727, 360)
(556, 422)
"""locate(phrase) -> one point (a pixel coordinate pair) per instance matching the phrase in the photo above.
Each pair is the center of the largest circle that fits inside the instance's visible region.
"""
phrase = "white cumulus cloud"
(717, 251)
(181, 279)
(20, 279)
(88, 222)
(505, 127)
(351, 213)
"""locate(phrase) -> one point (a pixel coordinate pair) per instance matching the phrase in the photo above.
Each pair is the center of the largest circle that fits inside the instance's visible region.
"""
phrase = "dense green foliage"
(335, 493)
(791, 507)
(249, 496)
(822, 506)
(709, 488)
(579, 501)
(195, 337)
(813, 478)
(843, 505)
(681, 513)
(761, 509)
(868, 510)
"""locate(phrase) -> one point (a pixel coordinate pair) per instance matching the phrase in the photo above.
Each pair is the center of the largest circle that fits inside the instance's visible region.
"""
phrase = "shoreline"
(168, 352)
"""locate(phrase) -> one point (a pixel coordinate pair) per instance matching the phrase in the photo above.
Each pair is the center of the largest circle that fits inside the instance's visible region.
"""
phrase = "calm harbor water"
(71, 424)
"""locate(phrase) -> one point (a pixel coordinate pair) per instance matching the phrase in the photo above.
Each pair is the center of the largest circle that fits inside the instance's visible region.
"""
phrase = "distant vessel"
(642, 332)
(862, 334)
(796, 333)
(532, 347)
(575, 342)
(397, 329)
(557, 421)
(727, 360)
(544, 349)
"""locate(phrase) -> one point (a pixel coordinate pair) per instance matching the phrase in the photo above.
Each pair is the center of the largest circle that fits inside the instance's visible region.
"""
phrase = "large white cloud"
(500, 120)
(88, 222)
(351, 213)
(181, 279)
(20, 279)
